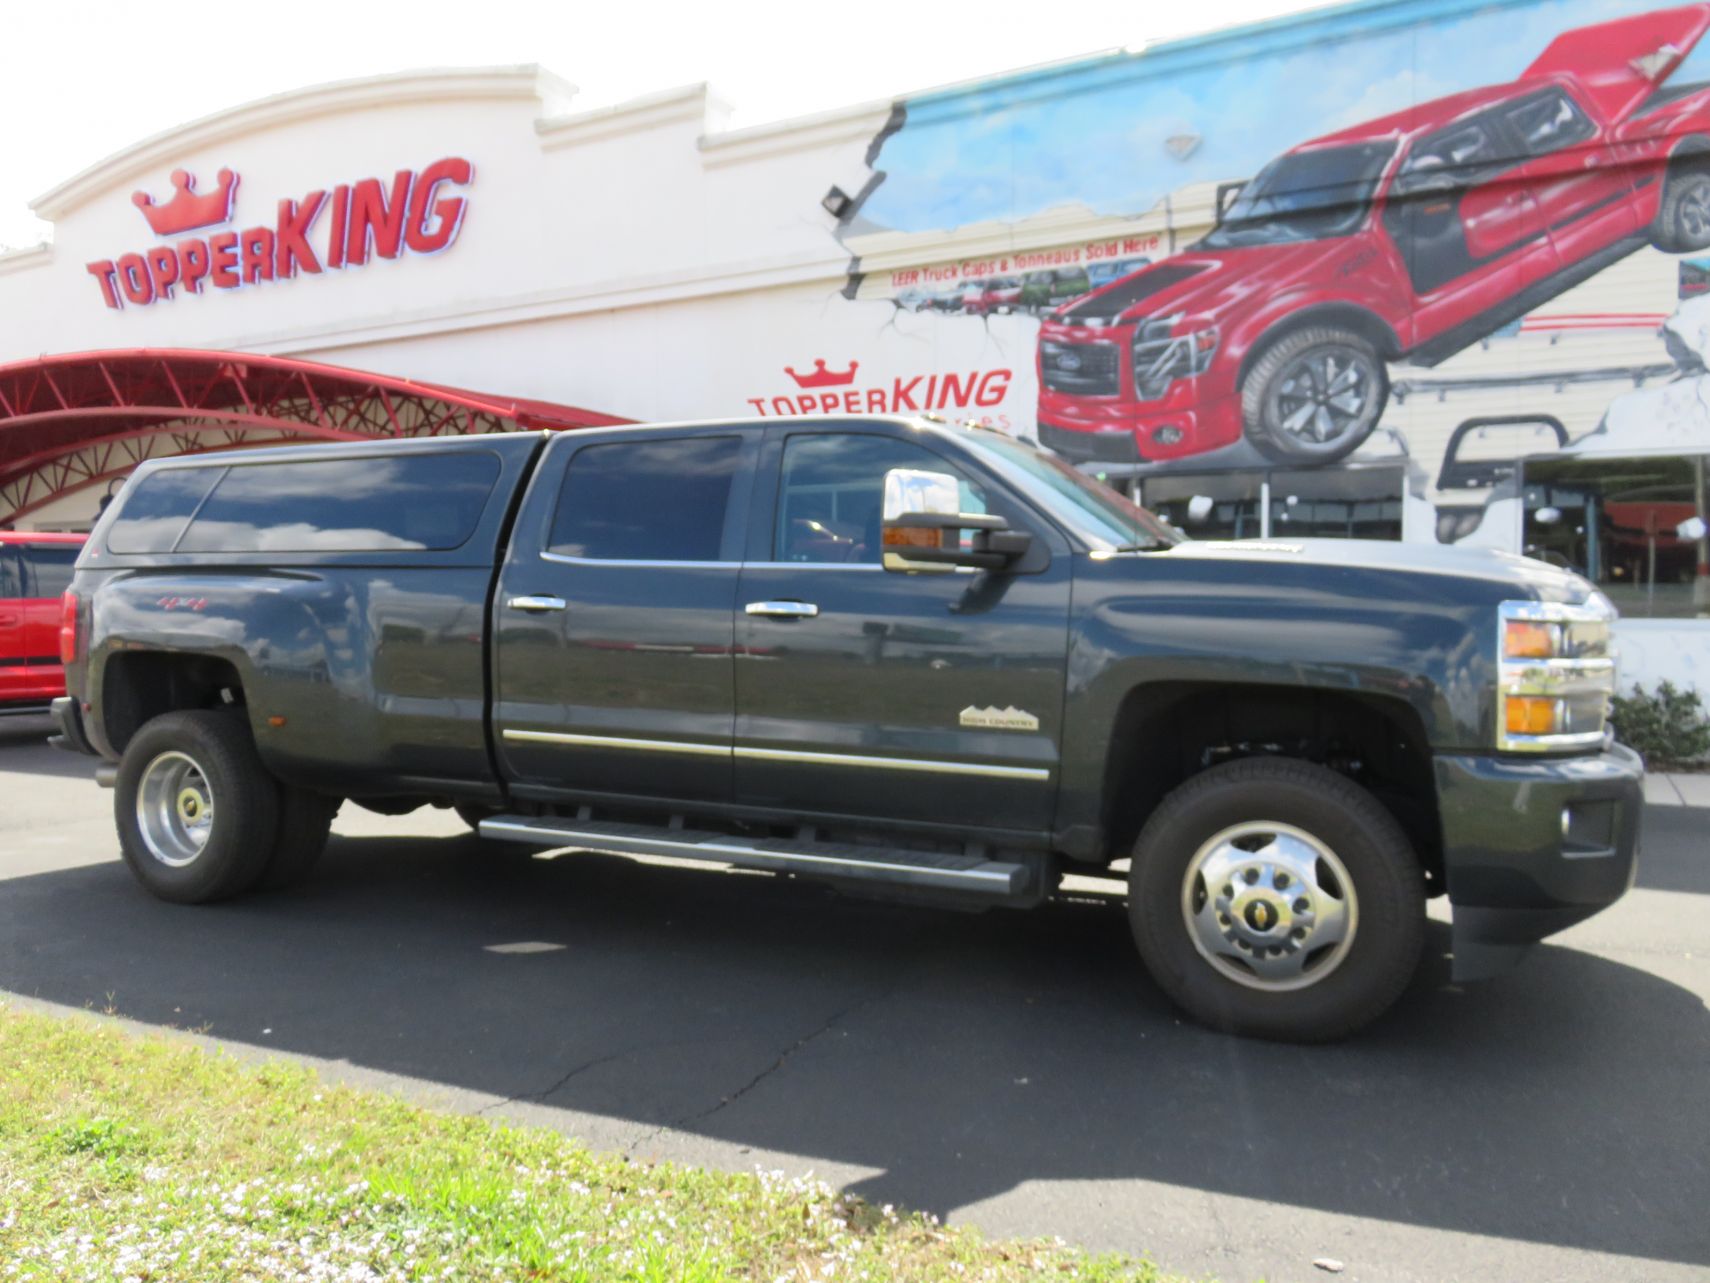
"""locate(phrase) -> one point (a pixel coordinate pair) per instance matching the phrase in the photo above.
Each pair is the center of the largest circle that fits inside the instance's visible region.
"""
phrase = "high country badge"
(999, 719)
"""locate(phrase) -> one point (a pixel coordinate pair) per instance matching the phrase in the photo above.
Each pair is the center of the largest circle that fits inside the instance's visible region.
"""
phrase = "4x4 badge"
(1000, 719)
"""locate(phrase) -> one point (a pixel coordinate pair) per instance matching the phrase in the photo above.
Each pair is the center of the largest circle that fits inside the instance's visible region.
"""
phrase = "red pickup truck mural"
(1407, 237)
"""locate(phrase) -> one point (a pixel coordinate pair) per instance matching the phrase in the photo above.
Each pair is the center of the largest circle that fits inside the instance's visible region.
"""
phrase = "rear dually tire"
(196, 810)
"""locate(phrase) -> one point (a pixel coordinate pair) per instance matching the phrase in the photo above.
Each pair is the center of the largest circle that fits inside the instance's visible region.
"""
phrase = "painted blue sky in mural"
(1094, 134)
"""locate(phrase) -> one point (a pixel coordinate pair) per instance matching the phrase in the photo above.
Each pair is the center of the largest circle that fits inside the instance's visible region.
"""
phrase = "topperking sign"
(420, 212)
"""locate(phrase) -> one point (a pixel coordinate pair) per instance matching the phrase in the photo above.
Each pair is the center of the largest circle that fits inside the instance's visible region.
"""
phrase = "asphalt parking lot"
(1014, 1070)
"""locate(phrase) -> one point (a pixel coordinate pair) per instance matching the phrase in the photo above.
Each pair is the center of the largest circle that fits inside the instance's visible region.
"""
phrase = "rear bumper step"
(992, 878)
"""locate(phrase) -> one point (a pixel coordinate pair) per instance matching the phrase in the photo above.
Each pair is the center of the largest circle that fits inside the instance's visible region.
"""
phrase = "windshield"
(1304, 196)
(1095, 512)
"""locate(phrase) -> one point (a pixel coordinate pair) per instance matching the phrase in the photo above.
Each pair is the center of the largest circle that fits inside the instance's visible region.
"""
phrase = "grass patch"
(150, 1159)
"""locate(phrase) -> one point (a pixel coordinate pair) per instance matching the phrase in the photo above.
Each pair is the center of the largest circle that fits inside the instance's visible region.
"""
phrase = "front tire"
(196, 810)
(1277, 899)
(1683, 219)
(1314, 396)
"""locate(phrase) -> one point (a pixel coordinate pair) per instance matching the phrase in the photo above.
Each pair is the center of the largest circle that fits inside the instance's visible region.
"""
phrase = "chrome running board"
(1000, 881)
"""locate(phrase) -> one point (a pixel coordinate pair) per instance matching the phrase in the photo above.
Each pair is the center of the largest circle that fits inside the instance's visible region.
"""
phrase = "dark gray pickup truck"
(906, 658)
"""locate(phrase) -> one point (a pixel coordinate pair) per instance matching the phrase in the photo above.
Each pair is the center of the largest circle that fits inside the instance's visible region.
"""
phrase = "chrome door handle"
(783, 609)
(535, 603)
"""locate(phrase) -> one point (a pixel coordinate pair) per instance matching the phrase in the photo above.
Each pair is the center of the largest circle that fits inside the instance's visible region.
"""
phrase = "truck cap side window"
(392, 503)
(647, 500)
(158, 507)
(832, 495)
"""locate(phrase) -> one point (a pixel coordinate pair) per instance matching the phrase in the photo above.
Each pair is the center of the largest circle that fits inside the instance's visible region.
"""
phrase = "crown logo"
(822, 377)
(186, 210)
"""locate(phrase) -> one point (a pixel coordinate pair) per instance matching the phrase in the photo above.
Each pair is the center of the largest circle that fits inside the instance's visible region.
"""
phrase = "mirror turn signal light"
(1534, 714)
(912, 537)
(1529, 639)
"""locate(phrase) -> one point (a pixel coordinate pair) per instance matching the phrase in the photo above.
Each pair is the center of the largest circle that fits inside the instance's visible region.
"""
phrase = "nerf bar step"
(823, 859)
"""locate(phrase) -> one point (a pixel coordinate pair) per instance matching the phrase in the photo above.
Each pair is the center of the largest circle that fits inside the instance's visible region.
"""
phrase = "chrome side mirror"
(923, 525)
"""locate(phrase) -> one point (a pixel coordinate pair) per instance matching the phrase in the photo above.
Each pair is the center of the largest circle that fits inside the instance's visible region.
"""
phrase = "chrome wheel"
(1325, 397)
(1269, 906)
(175, 809)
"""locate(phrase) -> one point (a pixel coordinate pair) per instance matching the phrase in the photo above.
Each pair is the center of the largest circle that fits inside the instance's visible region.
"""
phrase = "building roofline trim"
(522, 83)
(697, 104)
(22, 260)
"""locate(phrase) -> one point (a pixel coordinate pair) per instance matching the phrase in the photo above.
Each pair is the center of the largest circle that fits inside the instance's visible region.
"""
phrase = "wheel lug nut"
(1299, 933)
(1302, 905)
(1228, 893)
(1251, 875)
(1280, 881)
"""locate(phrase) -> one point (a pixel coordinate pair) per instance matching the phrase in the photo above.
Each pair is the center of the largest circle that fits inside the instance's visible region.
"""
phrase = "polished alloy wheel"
(1269, 906)
(1324, 397)
(175, 809)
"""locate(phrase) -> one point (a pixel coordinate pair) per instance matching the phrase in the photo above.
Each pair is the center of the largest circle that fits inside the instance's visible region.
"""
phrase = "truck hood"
(1522, 576)
(1205, 282)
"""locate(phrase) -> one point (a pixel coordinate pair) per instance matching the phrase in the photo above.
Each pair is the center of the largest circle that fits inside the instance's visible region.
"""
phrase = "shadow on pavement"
(24, 748)
(1675, 850)
(959, 1056)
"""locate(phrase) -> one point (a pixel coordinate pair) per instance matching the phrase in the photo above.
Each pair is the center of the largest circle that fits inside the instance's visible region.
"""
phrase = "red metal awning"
(83, 419)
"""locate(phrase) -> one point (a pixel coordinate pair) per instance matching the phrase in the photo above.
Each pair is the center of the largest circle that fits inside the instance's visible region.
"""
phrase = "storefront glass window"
(1207, 506)
(1634, 527)
(1345, 503)
(1349, 503)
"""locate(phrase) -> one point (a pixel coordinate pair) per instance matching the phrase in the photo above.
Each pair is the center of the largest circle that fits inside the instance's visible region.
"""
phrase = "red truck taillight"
(68, 627)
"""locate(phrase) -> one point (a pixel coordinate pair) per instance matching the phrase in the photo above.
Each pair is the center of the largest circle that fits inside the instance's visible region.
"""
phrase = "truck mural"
(1474, 253)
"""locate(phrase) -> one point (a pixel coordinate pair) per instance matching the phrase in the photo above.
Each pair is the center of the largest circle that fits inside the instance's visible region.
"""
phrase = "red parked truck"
(1408, 237)
(35, 571)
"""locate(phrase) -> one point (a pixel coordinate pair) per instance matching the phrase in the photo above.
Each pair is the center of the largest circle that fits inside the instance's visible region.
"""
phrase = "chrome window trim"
(569, 560)
(926, 765)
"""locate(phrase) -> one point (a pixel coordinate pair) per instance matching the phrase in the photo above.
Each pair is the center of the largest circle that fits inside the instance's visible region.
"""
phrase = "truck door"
(613, 617)
(14, 671)
(867, 693)
(1465, 224)
(1582, 186)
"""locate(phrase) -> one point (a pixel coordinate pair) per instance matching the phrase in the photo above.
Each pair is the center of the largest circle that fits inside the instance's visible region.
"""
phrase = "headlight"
(1557, 672)
(1161, 357)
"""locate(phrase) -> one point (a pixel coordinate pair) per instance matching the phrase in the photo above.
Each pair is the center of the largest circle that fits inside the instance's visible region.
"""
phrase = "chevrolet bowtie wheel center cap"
(1269, 905)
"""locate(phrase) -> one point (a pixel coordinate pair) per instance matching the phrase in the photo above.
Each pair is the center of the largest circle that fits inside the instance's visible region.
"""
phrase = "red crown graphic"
(187, 211)
(822, 377)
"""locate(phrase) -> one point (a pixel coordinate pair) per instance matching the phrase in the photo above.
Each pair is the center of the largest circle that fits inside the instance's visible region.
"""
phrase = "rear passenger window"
(50, 567)
(652, 500)
(157, 508)
(399, 503)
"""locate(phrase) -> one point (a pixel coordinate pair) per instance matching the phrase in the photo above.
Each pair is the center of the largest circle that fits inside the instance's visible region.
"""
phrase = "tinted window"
(1304, 196)
(832, 499)
(1549, 122)
(403, 503)
(51, 564)
(11, 572)
(157, 508)
(650, 500)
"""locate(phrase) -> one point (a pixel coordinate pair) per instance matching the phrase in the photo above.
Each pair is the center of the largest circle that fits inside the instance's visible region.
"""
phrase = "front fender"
(1421, 641)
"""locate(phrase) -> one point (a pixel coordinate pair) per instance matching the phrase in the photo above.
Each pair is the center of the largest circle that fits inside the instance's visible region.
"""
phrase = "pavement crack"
(540, 1097)
(824, 1027)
